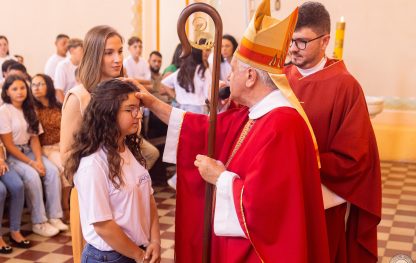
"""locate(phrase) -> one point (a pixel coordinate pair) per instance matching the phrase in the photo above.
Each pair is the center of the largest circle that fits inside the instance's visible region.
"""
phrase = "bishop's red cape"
(335, 105)
(277, 198)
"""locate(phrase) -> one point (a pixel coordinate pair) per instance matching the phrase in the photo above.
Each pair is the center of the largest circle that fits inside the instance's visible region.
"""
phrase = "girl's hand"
(3, 167)
(153, 252)
(38, 166)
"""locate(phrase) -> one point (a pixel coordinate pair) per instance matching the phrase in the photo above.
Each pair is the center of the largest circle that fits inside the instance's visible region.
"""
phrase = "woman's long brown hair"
(89, 72)
(99, 129)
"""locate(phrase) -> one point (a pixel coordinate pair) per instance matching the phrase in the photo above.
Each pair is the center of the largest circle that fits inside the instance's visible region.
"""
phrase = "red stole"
(336, 107)
(277, 198)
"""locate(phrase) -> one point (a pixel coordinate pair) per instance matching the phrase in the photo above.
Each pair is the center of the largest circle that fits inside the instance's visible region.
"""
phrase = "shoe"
(6, 250)
(22, 244)
(172, 182)
(45, 229)
(57, 223)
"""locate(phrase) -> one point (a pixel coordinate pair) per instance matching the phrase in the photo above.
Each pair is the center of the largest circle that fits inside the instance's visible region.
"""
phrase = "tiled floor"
(396, 231)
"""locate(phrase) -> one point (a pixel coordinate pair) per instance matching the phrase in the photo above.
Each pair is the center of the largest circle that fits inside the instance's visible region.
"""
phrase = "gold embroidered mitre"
(266, 40)
(265, 45)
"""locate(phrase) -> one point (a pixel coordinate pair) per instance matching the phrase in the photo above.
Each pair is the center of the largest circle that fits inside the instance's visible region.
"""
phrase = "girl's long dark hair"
(27, 106)
(99, 129)
(176, 59)
(188, 67)
(50, 93)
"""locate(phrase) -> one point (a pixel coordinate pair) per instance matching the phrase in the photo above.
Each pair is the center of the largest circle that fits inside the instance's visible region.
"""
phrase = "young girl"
(118, 212)
(189, 85)
(19, 130)
(228, 47)
(102, 60)
(48, 110)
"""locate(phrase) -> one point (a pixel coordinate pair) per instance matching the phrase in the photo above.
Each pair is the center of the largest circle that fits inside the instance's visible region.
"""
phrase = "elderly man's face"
(237, 80)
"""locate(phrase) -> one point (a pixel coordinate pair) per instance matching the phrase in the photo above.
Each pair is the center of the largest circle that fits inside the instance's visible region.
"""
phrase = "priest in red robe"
(268, 203)
(335, 105)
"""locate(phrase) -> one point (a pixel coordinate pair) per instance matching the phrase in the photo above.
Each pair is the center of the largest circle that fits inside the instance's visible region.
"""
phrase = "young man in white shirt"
(136, 67)
(64, 78)
(61, 44)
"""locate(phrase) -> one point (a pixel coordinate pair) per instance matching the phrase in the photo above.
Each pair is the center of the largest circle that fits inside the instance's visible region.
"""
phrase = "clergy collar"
(273, 100)
(314, 69)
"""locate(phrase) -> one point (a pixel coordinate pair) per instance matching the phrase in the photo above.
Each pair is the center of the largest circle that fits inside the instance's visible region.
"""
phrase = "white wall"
(379, 47)
(380, 39)
(169, 14)
(32, 25)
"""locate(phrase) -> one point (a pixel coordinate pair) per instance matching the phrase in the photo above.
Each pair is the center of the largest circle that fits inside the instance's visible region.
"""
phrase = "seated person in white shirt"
(135, 66)
(64, 78)
(61, 44)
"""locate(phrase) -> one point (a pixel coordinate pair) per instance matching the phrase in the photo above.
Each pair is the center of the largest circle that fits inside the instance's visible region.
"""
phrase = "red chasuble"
(277, 198)
(335, 105)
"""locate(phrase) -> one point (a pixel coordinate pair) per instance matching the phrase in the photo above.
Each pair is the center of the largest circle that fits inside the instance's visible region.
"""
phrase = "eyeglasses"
(37, 85)
(134, 111)
(301, 44)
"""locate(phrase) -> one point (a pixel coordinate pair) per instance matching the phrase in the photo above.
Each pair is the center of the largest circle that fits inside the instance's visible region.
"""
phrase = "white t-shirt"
(139, 70)
(225, 67)
(99, 200)
(201, 83)
(225, 70)
(12, 120)
(65, 75)
(51, 64)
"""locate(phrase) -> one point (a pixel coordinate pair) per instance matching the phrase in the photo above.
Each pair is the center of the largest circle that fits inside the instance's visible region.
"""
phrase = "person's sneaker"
(172, 182)
(45, 229)
(57, 223)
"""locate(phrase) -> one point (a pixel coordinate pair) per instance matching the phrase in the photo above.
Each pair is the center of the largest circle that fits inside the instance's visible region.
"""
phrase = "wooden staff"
(186, 50)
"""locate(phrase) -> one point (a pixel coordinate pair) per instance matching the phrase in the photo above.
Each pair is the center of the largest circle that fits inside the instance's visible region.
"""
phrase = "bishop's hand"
(210, 169)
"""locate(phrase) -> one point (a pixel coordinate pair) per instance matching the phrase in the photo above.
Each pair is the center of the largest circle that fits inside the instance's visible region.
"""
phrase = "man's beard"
(154, 70)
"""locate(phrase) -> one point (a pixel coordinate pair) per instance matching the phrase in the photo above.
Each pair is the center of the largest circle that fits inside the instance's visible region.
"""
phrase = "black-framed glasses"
(38, 85)
(134, 111)
(301, 44)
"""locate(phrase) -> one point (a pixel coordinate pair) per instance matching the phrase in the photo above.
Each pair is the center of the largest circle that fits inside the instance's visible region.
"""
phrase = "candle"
(339, 39)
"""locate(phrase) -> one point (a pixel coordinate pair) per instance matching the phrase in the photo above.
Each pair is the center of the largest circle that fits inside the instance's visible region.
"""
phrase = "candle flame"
(342, 19)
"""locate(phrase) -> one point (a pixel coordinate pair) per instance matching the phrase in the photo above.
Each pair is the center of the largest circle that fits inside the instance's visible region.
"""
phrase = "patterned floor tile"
(396, 232)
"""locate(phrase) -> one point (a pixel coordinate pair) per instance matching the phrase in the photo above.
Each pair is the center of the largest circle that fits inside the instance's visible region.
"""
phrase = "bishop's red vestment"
(277, 196)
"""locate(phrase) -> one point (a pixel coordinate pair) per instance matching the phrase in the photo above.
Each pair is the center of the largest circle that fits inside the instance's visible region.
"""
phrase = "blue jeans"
(14, 185)
(92, 255)
(33, 187)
